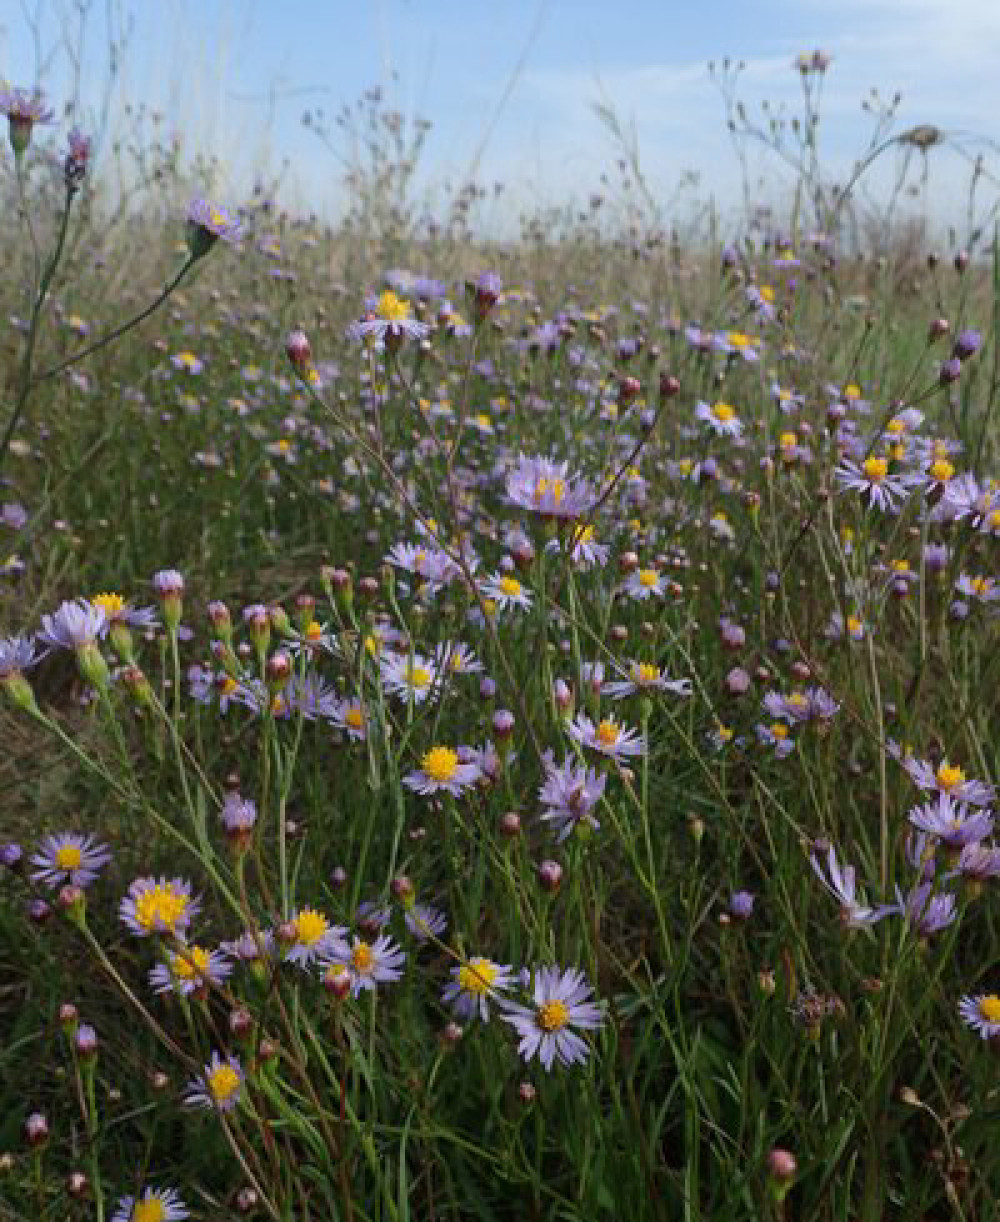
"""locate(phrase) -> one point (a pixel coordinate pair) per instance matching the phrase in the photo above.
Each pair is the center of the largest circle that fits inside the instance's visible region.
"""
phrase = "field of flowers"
(491, 731)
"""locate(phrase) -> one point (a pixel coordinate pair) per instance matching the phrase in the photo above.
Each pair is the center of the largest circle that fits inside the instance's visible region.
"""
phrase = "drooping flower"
(69, 857)
(840, 882)
(561, 1001)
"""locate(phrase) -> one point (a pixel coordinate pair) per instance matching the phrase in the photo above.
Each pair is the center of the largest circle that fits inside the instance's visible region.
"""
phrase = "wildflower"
(158, 906)
(69, 858)
(76, 160)
(569, 793)
(17, 654)
(741, 905)
(473, 984)
(76, 625)
(927, 912)
(349, 715)
(412, 678)
(456, 658)
(546, 487)
(220, 1084)
(952, 822)
(367, 964)
(978, 863)
(645, 677)
(505, 591)
(815, 704)
(313, 937)
(984, 590)
(485, 292)
(155, 1205)
(838, 627)
(388, 322)
(187, 362)
(721, 418)
(23, 111)
(778, 737)
(560, 1003)
(238, 815)
(206, 224)
(424, 921)
(982, 1014)
(873, 479)
(607, 737)
(118, 611)
(840, 882)
(645, 583)
(440, 770)
(190, 970)
(946, 779)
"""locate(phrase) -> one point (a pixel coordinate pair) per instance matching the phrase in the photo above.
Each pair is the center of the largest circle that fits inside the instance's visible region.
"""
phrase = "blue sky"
(514, 82)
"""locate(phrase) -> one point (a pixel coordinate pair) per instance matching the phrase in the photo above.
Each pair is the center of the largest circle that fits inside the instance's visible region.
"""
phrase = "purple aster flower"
(17, 654)
(190, 971)
(546, 487)
(947, 779)
(441, 770)
(76, 160)
(155, 1205)
(504, 590)
(982, 1013)
(777, 737)
(161, 905)
(206, 224)
(967, 343)
(741, 905)
(74, 626)
(644, 583)
(23, 110)
(840, 882)
(928, 913)
(607, 737)
(569, 793)
(645, 677)
(561, 1001)
(219, 1085)
(367, 964)
(978, 863)
(314, 937)
(474, 984)
(424, 921)
(13, 515)
(388, 321)
(411, 677)
(877, 485)
(952, 821)
(69, 858)
(721, 418)
(11, 855)
(239, 815)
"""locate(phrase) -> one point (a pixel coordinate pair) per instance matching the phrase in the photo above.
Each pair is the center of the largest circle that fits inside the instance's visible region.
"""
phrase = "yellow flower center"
(228, 686)
(310, 926)
(725, 733)
(724, 412)
(901, 566)
(989, 1008)
(477, 976)
(788, 441)
(607, 733)
(797, 700)
(440, 763)
(854, 625)
(875, 469)
(556, 488)
(645, 672)
(949, 777)
(981, 585)
(852, 391)
(648, 578)
(686, 466)
(552, 1015)
(151, 1209)
(941, 470)
(418, 676)
(111, 604)
(161, 907)
(739, 340)
(896, 426)
(68, 857)
(779, 730)
(393, 308)
(362, 958)
(314, 630)
(191, 964)
(510, 586)
(223, 1083)
(354, 719)
(994, 519)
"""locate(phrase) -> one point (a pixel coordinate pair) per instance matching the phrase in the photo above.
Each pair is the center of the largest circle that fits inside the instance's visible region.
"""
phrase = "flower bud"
(36, 1129)
(299, 352)
(550, 876)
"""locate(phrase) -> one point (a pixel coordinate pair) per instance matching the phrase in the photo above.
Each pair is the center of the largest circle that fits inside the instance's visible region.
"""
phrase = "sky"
(510, 86)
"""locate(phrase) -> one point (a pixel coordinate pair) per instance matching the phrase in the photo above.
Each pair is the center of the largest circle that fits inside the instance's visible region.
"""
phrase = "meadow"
(493, 729)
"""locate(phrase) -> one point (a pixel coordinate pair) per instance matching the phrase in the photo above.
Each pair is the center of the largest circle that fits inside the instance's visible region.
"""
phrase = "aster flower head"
(388, 321)
(162, 905)
(880, 487)
(76, 160)
(118, 611)
(840, 881)
(190, 971)
(643, 583)
(238, 815)
(569, 793)
(219, 1085)
(425, 921)
(978, 863)
(474, 984)
(411, 677)
(504, 590)
(314, 937)
(645, 677)
(69, 857)
(927, 911)
(951, 821)
(367, 964)
(441, 771)
(561, 1002)
(75, 625)
(155, 1205)
(608, 737)
(17, 654)
(720, 418)
(982, 1013)
(546, 487)
(947, 779)
(206, 224)
(23, 109)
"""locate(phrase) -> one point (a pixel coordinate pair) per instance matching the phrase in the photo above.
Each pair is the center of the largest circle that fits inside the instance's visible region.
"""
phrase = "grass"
(764, 1060)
